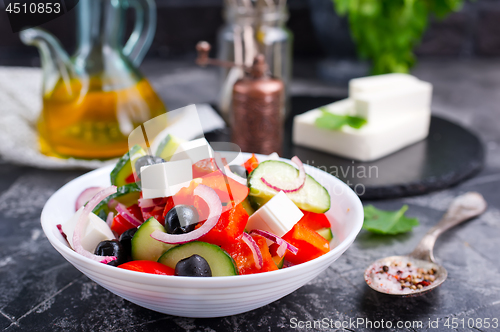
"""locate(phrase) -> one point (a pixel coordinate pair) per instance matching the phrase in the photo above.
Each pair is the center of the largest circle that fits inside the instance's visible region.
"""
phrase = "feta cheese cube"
(97, 230)
(380, 106)
(277, 216)
(195, 150)
(370, 142)
(163, 180)
(378, 83)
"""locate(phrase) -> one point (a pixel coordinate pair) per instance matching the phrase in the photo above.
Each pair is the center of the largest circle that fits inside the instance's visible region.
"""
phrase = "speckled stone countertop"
(40, 291)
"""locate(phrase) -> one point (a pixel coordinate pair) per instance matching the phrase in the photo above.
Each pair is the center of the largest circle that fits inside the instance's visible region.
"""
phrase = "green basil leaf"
(388, 222)
(332, 121)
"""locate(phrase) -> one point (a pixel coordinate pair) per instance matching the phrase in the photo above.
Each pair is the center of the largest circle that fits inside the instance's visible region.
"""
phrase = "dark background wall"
(318, 32)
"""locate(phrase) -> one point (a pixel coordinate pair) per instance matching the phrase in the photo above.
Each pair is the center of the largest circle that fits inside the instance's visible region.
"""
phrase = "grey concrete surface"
(40, 291)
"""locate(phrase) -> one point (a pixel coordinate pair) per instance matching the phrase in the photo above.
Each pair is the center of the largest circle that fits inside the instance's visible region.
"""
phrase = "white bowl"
(204, 297)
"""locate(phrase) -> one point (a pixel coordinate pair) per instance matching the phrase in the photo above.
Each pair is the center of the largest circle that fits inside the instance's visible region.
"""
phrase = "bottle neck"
(251, 16)
(100, 26)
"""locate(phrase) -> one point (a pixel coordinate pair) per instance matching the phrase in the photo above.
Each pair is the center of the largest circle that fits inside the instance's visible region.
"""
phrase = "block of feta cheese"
(97, 230)
(164, 179)
(277, 216)
(194, 150)
(372, 141)
(382, 105)
(378, 83)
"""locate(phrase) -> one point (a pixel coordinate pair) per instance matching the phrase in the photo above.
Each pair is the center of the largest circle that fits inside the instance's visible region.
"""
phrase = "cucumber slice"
(312, 197)
(127, 195)
(168, 146)
(144, 247)
(326, 233)
(125, 166)
(279, 261)
(220, 262)
(247, 206)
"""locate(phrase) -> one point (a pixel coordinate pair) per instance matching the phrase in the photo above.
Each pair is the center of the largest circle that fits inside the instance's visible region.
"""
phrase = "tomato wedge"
(148, 267)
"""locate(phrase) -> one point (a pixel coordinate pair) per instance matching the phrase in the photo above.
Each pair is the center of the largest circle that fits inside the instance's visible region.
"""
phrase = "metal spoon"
(464, 207)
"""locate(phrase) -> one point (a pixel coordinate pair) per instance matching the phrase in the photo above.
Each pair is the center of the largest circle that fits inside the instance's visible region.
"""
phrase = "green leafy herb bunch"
(386, 31)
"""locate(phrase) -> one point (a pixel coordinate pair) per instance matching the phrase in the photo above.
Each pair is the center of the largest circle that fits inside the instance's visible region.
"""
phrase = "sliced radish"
(81, 225)
(215, 206)
(283, 245)
(127, 215)
(257, 255)
(288, 186)
(85, 196)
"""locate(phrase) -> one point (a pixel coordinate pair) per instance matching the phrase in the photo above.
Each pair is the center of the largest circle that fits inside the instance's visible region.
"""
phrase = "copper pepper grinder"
(257, 105)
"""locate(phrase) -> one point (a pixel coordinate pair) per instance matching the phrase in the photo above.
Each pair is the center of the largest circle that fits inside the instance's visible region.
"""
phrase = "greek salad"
(228, 220)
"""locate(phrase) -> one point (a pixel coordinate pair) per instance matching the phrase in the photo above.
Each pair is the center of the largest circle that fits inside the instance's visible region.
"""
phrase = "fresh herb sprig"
(386, 31)
(388, 222)
(331, 121)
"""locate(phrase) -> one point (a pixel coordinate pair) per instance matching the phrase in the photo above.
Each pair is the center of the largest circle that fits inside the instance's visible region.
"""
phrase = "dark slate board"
(448, 156)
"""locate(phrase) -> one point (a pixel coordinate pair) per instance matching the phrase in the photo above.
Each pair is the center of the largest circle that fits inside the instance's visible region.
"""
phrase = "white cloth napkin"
(20, 104)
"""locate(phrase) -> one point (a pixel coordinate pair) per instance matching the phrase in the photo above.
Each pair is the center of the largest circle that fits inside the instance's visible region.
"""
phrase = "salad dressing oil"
(82, 119)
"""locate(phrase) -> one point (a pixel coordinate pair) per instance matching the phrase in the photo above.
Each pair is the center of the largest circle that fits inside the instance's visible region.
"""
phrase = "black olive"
(193, 266)
(126, 240)
(145, 161)
(112, 248)
(239, 170)
(181, 219)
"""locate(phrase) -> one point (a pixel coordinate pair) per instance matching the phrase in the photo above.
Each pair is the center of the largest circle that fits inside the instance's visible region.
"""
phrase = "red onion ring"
(82, 222)
(291, 186)
(122, 210)
(59, 227)
(85, 196)
(112, 203)
(283, 245)
(213, 201)
(109, 219)
(257, 255)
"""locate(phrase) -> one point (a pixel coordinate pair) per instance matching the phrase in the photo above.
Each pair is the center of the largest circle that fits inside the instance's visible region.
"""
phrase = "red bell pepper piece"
(314, 221)
(310, 244)
(243, 256)
(251, 163)
(229, 228)
(148, 267)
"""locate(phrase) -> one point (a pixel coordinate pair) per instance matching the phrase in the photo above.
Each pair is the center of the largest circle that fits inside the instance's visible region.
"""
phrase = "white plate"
(204, 297)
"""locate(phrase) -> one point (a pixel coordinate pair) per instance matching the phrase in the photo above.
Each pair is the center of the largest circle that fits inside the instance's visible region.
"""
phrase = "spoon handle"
(463, 208)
